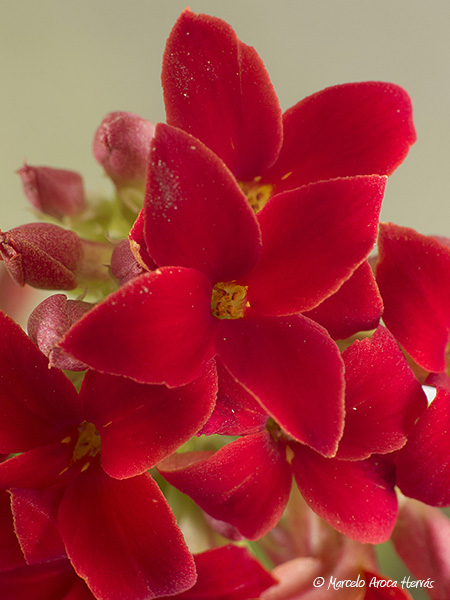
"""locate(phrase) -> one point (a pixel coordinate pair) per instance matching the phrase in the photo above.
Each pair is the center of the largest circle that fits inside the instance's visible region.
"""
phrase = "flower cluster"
(225, 343)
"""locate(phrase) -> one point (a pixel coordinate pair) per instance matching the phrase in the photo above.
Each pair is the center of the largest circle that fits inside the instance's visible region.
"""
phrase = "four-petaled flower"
(83, 459)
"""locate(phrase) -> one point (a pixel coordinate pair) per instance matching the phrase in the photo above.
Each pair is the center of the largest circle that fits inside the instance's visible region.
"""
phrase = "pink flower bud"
(55, 192)
(121, 145)
(124, 266)
(48, 323)
(49, 257)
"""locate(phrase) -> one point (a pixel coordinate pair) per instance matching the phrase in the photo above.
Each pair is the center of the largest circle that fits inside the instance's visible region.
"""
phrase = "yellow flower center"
(229, 300)
(257, 195)
(86, 448)
(88, 443)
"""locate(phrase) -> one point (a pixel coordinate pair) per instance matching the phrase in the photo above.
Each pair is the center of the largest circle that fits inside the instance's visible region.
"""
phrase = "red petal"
(236, 411)
(139, 424)
(356, 306)
(313, 239)
(413, 274)
(246, 483)
(138, 244)
(356, 498)
(157, 328)
(216, 88)
(294, 369)
(195, 215)
(37, 404)
(346, 130)
(422, 540)
(10, 552)
(228, 573)
(35, 519)
(383, 399)
(36, 468)
(423, 465)
(124, 538)
(49, 581)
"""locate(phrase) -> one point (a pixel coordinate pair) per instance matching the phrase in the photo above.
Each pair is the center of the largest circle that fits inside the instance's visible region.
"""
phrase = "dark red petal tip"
(195, 214)
(217, 89)
(383, 399)
(356, 497)
(294, 369)
(413, 274)
(138, 547)
(342, 131)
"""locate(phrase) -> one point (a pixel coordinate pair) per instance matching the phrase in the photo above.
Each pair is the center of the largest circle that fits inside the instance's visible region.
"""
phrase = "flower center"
(280, 436)
(88, 444)
(229, 300)
(257, 195)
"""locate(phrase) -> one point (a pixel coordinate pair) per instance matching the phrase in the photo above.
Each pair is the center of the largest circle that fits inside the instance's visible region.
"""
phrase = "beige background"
(65, 63)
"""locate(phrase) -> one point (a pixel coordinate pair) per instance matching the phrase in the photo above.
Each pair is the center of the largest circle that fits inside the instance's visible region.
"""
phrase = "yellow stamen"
(257, 195)
(88, 443)
(229, 300)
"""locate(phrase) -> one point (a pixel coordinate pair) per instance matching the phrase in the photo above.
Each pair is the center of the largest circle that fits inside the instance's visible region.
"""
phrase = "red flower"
(237, 287)
(247, 482)
(217, 89)
(84, 459)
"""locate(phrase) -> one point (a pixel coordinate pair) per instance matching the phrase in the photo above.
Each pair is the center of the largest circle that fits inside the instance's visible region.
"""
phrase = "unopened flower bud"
(124, 266)
(49, 257)
(55, 192)
(48, 324)
(121, 145)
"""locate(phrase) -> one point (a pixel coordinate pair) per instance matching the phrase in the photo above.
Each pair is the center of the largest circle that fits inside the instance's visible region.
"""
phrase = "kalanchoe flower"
(87, 455)
(48, 323)
(247, 482)
(217, 89)
(49, 257)
(413, 274)
(238, 287)
(121, 145)
(55, 192)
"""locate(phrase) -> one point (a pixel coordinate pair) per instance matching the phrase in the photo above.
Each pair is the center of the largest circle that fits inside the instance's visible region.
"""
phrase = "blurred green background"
(66, 63)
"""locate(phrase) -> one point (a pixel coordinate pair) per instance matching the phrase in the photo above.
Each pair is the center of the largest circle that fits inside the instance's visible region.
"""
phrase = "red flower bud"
(48, 323)
(124, 266)
(55, 192)
(49, 257)
(121, 145)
